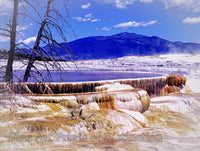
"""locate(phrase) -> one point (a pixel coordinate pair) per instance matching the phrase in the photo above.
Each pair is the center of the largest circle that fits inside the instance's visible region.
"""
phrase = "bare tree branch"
(5, 35)
(5, 30)
(33, 8)
(48, 55)
(29, 17)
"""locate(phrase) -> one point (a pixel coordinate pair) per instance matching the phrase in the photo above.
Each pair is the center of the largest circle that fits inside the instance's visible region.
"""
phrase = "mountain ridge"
(120, 45)
(127, 44)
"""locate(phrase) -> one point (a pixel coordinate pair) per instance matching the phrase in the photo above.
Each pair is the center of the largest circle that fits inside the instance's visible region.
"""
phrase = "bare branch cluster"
(48, 56)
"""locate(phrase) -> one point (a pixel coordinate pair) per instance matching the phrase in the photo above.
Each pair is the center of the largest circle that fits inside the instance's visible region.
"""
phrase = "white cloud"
(194, 20)
(123, 3)
(3, 14)
(88, 15)
(86, 18)
(153, 22)
(118, 3)
(86, 6)
(81, 19)
(146, 1)
(24, 27)
(135, 24)
(4, 39)
(95, 20)
(28, 40)
(6, 6)
(20, 34)
(106, 28)
(191, 5)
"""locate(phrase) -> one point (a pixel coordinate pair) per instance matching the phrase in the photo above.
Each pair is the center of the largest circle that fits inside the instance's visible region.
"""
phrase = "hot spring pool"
(83, 76)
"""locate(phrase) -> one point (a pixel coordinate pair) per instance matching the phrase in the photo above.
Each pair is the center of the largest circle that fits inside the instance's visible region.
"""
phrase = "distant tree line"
(20, 56)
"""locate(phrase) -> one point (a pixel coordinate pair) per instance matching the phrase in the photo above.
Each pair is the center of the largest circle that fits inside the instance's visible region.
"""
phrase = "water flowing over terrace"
(117, 111)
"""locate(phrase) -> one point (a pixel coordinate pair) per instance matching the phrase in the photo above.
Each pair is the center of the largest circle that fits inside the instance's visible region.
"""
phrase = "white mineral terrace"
(154, 86)
(155, 113)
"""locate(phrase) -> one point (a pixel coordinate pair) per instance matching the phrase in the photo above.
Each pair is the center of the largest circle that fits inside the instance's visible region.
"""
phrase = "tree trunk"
(35, 47)
(9, 67)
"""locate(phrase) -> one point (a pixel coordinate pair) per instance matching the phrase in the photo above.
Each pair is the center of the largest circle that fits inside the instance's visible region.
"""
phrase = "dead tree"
(45, 35)
(13, 27)
(36, 45)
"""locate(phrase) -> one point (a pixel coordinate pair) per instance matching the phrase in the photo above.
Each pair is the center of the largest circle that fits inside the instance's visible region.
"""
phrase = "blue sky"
(174, 20)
